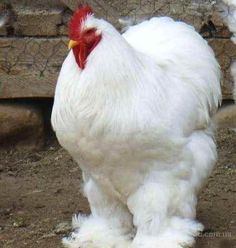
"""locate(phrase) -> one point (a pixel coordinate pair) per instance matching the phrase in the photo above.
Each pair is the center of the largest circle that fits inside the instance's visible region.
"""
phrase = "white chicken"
(134, 111)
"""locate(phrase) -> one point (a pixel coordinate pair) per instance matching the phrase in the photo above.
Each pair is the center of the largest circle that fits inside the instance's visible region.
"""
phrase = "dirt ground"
(39, 192)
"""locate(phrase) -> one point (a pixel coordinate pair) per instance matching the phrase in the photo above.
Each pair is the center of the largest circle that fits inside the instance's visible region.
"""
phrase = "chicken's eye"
(89, 31)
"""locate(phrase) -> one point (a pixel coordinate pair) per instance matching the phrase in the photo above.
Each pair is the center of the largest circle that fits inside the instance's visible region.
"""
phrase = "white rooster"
(134, 111)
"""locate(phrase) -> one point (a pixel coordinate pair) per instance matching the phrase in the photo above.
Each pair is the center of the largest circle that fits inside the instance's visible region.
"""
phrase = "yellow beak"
(72, 43)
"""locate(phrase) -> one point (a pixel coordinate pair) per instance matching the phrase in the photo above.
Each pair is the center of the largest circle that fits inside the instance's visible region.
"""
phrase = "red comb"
(79, 16)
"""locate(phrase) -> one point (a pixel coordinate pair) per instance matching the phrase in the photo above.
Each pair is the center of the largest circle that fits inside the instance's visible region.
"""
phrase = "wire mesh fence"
(39, 55)
(33, 37)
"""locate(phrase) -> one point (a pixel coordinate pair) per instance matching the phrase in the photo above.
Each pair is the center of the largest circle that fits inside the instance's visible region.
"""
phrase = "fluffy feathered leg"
(164, 206)
(158, 223)
(109, 225)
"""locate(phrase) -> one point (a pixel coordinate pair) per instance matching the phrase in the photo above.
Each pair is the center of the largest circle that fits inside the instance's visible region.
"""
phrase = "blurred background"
(39, 182)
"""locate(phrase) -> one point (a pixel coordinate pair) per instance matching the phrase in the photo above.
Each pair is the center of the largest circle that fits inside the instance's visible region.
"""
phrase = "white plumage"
(137, 119)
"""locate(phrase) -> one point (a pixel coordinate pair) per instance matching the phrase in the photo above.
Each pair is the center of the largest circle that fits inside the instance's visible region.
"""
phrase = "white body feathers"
(138, 121)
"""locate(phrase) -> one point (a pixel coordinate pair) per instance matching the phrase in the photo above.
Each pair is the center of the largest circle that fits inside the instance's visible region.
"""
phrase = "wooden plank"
(225, 52)
(29, 67)
(37, 22)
